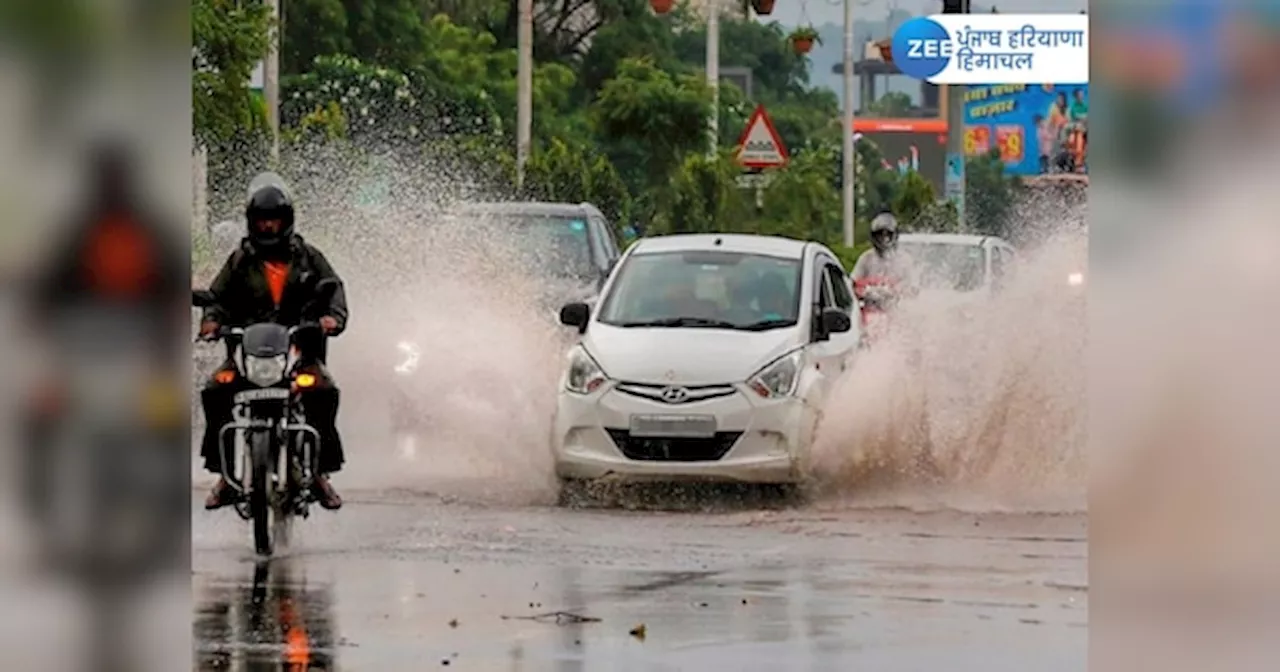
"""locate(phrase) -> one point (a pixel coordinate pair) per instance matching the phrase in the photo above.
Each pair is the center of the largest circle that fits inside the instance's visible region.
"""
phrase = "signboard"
(1038, 128)
(754, 180)
(918, 145)
(760, 145)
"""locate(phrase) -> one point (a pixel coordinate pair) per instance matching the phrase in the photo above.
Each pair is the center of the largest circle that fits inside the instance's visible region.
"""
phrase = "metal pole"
(849, 156)
(955, 149)
(713, 76)
(524, 104)
(954, 184)
(271, 81)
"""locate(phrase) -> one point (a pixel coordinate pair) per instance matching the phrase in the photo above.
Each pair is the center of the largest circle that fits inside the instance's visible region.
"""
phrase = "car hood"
(686, 356)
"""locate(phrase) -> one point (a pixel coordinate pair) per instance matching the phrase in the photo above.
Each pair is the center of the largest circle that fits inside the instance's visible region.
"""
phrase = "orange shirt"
(277, 275)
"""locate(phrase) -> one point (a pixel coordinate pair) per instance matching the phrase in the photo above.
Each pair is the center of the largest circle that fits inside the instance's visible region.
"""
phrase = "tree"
(228, 40)
(647, 108)
(989, 195)
(891, 105)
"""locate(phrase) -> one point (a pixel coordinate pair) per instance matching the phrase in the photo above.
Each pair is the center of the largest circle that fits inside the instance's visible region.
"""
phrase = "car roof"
(950, 238)
(535, 208)
(775, 246)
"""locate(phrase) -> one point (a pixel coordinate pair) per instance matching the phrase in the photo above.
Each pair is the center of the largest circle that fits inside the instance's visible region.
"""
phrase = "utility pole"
(713, 75)
(955, 178)
(524, 85)
(271, 81)
(849, 156)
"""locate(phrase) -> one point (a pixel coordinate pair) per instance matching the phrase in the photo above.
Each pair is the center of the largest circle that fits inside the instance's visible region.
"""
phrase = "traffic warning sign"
(760, 145)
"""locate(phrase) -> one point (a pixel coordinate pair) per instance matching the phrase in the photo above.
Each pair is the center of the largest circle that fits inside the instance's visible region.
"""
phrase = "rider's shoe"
(221, 495)
(325, 494)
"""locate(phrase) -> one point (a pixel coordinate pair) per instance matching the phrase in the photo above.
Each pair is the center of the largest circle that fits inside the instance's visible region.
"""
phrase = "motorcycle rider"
(883, 260)
(272, 276)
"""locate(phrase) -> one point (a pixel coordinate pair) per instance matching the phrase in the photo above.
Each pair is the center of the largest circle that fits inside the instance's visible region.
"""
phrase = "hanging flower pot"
(802, 39)
(662, 6)
(762, 7)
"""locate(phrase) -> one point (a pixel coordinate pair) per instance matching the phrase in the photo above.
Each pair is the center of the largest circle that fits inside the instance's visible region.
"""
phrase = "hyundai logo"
(675, 395)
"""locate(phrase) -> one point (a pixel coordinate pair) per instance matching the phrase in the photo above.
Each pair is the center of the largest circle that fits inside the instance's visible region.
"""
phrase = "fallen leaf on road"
(453, 623)
(638, 632)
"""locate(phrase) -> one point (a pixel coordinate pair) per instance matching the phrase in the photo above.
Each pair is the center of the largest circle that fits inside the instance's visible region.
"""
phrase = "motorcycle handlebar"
(224, 332)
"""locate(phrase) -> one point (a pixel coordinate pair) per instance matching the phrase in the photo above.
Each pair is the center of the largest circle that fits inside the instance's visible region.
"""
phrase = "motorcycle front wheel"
(260, 491)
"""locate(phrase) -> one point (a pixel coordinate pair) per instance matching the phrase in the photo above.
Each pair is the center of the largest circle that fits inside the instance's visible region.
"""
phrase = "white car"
(706, 358)
(957, 261)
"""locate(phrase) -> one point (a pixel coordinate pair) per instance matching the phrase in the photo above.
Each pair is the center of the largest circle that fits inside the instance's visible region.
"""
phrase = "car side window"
(606, 236)
(997, 266)
(839, 284)
(824, 291)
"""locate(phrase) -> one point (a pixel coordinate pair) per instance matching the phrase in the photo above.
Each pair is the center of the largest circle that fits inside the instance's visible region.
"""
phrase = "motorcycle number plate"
(271, 394)
(689, 426)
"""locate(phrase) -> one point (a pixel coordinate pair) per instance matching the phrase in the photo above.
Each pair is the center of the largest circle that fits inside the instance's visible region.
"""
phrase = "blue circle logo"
(922, 48)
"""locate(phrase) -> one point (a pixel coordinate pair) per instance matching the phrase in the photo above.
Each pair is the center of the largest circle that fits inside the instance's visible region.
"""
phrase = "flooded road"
(408, 582)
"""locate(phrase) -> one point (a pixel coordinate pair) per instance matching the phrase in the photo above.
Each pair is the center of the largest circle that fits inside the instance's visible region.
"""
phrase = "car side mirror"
(836, 321)
(575, 315)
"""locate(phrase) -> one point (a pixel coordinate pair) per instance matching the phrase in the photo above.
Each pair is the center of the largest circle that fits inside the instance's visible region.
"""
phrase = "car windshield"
(947, 265)
(552, 244)
(717, 290)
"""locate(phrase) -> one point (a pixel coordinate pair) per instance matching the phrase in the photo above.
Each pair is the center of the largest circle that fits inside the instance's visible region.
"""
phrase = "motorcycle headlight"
(779, 379)
(584, 376)
(263, 371)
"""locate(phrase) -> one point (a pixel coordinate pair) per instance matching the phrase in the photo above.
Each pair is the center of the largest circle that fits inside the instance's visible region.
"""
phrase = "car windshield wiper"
(683, 322)
(765, 325)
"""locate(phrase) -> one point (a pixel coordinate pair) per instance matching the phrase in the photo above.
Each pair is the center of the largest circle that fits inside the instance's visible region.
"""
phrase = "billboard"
(918, 145)
(1038, 128)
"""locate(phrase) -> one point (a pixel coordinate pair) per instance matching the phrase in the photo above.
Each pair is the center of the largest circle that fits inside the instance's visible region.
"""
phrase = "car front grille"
(652, 449)
(683, 394)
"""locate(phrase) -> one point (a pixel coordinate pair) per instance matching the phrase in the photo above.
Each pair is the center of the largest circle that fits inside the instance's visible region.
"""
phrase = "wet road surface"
(403, 582)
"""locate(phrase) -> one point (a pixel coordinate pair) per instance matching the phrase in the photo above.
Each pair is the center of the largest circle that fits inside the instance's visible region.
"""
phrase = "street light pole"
(713, 76)
(271, 80)
(524, 86)
(954, 185)
(849, 157)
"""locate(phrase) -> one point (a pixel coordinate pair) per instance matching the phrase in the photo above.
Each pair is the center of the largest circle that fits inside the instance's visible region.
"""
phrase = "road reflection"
(274, 622)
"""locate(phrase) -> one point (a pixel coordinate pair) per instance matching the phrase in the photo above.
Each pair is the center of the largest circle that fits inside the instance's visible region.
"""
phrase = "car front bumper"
(758, 440)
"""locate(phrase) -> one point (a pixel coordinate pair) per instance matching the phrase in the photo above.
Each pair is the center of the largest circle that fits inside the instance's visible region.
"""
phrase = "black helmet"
(269, 203)
(884, 231)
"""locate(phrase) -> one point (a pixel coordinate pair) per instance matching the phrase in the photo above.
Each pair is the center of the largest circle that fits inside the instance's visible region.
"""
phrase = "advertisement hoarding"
(1037, 128)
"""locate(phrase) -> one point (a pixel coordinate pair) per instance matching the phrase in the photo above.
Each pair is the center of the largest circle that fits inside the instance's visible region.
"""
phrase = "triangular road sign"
(760, 145)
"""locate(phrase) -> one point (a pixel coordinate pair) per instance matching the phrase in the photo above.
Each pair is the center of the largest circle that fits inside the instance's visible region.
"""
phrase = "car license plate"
(673, 425)
(273, 393)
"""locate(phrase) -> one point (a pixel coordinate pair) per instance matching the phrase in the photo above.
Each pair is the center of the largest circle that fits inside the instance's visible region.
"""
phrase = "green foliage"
(891, 105)
(647, 106)
(228, 39)
(989, 195)
(620, 111)
(805, 33)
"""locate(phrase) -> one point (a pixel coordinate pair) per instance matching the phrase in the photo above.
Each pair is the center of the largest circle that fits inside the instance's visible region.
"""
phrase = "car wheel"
(573, 493)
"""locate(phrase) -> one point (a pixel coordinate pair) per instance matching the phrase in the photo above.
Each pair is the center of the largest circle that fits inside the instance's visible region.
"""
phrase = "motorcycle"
(876, 296)
(272, 367)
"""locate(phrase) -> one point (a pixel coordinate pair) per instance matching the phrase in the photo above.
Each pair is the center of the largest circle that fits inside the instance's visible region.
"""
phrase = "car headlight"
(263, 371)
(411, 355)
(584, 375)
(1075, 279)
(778, 379)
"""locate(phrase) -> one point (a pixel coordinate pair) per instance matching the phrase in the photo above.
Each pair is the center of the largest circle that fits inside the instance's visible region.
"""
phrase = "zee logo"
(922, 48)
(930, 49)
